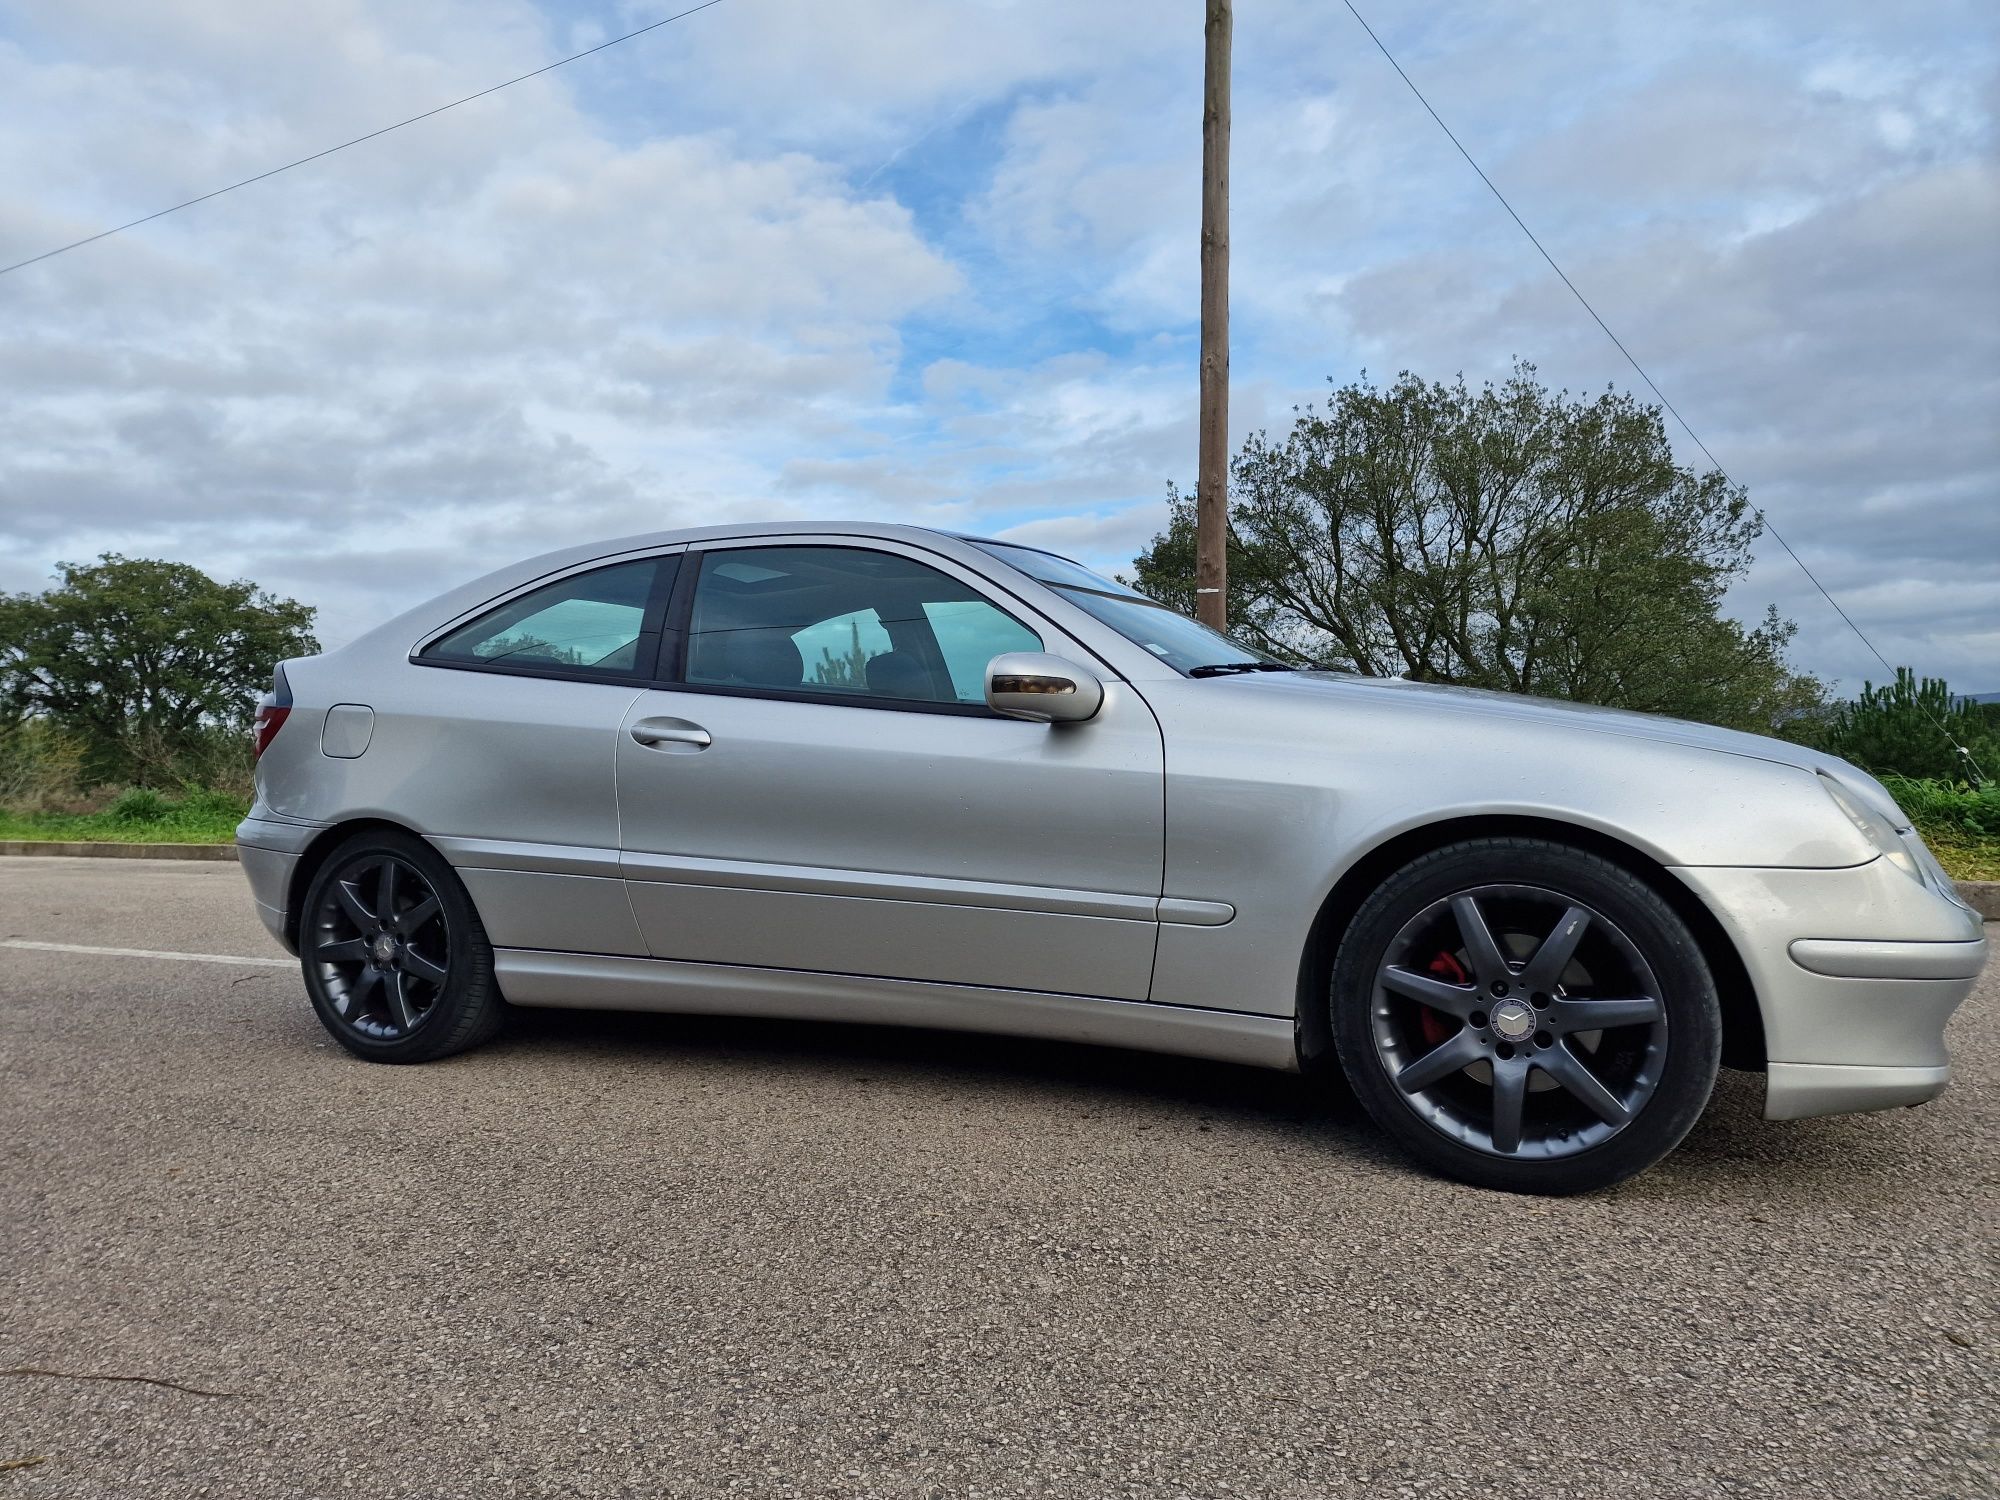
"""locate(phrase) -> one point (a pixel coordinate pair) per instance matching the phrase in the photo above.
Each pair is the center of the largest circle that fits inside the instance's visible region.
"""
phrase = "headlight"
(1878, 829)
(1935, 875)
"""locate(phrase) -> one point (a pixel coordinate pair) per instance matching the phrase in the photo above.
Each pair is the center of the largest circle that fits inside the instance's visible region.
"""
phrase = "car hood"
(1553, 713)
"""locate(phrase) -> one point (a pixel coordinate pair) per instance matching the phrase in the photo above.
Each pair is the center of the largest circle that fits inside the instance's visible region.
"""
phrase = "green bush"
(152, 665)
(139, 805)
(41, 769)
(1911, 729)
(1960, 822)
(205, 803)
(1948, 809)
(137, 816)
(218, 758)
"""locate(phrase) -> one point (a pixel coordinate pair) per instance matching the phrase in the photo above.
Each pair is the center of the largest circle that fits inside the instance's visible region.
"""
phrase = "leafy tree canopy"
(1507, 538)
(140, 658)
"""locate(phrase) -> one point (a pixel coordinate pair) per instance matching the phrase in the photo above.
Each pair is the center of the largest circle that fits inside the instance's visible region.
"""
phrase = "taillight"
(272, 710)
(270, 719)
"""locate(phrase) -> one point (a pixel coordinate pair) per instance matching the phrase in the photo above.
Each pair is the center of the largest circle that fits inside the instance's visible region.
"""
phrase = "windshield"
(1181, 643)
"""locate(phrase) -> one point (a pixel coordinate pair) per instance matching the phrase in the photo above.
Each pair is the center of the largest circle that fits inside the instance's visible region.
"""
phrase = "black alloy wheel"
(380, 938)
(395, 959)
(1526, 1016)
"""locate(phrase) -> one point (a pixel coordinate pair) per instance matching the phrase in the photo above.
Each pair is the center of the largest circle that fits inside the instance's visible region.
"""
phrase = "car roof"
(641, 540)
(681, 534)
(820, 528)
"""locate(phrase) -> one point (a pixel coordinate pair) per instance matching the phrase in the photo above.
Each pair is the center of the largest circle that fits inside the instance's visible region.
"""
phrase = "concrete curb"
(1983, 896)
(119, 851)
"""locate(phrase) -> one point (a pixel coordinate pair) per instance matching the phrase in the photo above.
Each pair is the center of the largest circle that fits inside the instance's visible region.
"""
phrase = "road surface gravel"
(637, 1256)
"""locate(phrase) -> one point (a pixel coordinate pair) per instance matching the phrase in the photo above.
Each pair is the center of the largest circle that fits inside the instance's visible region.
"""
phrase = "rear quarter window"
(604, 622)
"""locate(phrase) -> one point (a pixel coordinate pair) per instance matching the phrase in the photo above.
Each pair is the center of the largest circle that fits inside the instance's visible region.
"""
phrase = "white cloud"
(938, 262)
(530, 340)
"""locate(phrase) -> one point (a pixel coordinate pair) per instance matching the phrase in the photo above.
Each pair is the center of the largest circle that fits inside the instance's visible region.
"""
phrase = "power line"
(1714, 463)
(91, 239)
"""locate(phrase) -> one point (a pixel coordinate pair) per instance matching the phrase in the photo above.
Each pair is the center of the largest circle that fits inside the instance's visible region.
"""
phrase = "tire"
(1573, 1050)
(414, 987)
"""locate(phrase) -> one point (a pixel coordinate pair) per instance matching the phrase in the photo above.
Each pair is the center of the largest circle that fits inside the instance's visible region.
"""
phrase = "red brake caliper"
(1438, 1026)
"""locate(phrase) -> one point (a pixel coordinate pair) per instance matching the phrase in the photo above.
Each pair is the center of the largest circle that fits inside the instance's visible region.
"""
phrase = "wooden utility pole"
(1211, 500)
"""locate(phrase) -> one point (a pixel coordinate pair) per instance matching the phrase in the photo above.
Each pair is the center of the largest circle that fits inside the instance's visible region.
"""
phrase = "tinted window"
(590, 623)
(1181, 643)
(836, 652)
(1048, 568)
(848, 621)
(969, 635)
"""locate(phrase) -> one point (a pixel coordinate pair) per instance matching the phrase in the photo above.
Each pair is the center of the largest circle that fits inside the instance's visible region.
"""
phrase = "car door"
(824, 788)
(504, 738)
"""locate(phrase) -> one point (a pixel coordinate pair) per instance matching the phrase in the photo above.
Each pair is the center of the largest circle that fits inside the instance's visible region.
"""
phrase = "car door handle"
(661, 733)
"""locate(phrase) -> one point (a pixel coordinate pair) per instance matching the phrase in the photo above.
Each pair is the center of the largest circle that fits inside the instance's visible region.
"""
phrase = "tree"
(1911, 728)
(1507, 538)
(143, 659)
(850, 669)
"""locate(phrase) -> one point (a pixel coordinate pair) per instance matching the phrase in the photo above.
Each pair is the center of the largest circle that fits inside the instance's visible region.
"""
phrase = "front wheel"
(395, 958)
(1524, 1015)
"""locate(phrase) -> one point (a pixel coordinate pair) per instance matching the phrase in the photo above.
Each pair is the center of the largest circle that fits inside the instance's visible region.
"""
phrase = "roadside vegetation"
(1961, 825)
(1936, 753)
(1509, 537)
(126, 693)
(1518, 538)
(137, 816)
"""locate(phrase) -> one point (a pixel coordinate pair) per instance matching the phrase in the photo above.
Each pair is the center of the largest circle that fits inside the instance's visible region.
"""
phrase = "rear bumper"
(269, 852)
(1856, 973)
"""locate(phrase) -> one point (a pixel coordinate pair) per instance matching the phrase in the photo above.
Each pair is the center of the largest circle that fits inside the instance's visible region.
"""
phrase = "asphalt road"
(664, 1256)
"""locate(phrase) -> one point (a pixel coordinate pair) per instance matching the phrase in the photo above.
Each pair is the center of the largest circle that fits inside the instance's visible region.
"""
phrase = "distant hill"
(1981, 697)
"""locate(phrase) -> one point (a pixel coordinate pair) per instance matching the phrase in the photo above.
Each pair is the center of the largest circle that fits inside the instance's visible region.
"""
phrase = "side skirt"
(599, 982)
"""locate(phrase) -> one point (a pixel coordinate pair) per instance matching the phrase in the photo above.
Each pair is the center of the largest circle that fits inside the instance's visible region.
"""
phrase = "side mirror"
(1046, 689)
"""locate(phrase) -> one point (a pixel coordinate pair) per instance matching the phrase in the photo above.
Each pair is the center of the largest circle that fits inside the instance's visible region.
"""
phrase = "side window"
(602, 622)
(846, 621)
(969, 635)
(837, 651)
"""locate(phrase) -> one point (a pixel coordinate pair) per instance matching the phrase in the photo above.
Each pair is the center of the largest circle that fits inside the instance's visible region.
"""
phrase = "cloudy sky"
(907, 259)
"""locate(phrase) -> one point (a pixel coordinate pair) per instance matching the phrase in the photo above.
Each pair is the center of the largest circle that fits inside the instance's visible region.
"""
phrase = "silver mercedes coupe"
(889, 775)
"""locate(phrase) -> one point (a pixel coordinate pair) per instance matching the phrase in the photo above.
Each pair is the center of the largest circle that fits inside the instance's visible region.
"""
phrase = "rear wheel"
(1523, 1015)
(395, 959)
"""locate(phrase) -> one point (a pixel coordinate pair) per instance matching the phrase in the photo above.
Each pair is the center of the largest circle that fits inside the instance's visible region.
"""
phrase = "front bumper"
(1856, 971)
(1798, 1091)
(269, 851)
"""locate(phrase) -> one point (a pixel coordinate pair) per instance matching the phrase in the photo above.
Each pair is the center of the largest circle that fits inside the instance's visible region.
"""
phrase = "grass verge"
(1962, 826)
(137, 817)
(1970, 861)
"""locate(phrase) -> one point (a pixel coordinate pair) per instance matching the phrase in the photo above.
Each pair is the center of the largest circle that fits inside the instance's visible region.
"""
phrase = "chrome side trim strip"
(1848, 958)
(1183, 911)
(538, 859)
(809, 880)
(582, 980)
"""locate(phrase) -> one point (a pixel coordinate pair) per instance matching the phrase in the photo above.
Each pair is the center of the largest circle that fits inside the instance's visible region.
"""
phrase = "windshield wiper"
(1229, 668)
